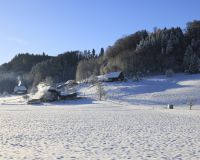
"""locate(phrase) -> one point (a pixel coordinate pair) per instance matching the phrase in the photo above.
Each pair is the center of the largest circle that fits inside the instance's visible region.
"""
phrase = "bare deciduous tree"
(100, 90)
(191, 102)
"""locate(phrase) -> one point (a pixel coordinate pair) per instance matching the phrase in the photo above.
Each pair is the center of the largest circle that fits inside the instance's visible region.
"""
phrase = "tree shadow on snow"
(79, 101)
(146, 86)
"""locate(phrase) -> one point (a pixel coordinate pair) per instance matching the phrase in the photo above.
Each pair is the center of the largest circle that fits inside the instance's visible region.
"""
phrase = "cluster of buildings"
(67, 90)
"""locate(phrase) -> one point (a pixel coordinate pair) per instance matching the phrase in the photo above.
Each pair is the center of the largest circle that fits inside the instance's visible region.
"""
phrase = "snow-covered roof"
(42, 88)
(69, 82)
(20, 88)
(108, 76)
(113, 74)
(101, 77)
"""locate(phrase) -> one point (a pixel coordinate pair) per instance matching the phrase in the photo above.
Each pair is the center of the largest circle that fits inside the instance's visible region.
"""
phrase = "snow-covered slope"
(155, 90)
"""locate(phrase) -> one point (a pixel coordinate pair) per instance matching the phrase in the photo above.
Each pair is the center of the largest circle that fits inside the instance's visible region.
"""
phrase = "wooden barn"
(111, 77)
(115, 76)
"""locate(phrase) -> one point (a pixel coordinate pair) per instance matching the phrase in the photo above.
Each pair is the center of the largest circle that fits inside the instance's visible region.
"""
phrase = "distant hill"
(20, 65)
(23, 63)
(144, 53)
(57, 69)
(33, 69)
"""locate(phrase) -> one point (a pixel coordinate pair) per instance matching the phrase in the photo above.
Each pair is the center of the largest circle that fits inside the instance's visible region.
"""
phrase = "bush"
(137, 77)
(49, 97)
(92, 79)
(169, 73)
(26, 97)
(5, 93)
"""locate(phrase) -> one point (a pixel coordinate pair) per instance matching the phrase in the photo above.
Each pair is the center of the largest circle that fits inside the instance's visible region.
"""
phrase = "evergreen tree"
(93, 53)
(191, 61)
(194, 66)
(193, 30)
(101, 52)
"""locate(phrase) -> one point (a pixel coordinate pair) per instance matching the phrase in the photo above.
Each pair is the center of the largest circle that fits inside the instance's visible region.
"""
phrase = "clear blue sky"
(55, 26)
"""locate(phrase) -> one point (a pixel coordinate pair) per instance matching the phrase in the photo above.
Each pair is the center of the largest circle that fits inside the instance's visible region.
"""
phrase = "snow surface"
(98, 131)
(155, 90)
(178, 90)
(133, 123)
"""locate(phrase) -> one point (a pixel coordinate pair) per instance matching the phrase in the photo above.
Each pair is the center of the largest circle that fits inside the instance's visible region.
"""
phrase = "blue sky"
(55, 26)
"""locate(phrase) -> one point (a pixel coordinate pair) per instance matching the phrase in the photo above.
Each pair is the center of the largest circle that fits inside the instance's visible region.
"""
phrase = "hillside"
(57, 69)
(33, 69)
(20, 65)
(23, 63)
(147, 53)
(150, 91)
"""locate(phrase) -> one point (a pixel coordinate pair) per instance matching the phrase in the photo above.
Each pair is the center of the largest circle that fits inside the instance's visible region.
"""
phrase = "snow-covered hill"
(155, 90)
(178, 90)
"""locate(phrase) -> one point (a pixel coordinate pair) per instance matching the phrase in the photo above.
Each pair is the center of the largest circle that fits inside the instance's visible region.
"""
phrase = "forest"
(144, 53)
(141, 53)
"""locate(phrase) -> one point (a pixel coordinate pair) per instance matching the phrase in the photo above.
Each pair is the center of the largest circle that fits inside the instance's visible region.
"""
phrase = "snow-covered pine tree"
(194, 66)
(187, 56)
(191, 61)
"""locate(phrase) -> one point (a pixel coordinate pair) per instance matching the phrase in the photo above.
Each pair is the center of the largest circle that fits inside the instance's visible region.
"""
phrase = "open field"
(98, 131)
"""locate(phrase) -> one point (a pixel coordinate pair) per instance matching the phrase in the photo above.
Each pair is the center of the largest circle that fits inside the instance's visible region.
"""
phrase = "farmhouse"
(20, 90)
(66, 88)
(47, 93)
(111, 77)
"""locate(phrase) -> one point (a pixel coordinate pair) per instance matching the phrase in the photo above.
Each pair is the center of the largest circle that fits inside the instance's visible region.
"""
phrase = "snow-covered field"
(98, 131)
(133, 123)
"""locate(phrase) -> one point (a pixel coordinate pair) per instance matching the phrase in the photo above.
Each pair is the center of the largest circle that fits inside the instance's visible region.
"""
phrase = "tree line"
(35, 68)
(149, 53)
